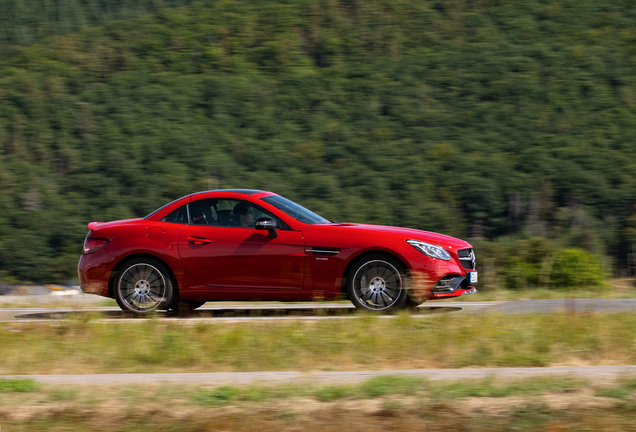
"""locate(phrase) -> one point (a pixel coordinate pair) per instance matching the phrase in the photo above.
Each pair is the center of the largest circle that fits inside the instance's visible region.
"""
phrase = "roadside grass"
(107, 302)
(625, 389)
(489, 388)
(382, 403)
(19, 385)
(390, 385)
(83, 344)
(394, 385)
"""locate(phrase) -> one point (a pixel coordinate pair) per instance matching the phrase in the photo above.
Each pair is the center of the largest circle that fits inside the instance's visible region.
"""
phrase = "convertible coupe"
(243, 244)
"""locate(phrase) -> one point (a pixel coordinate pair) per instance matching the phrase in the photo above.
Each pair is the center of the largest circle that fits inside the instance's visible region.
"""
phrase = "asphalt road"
(319, 311)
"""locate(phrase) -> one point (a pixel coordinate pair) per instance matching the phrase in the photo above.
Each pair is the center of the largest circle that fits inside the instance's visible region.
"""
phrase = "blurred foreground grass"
(81, 345)
(382, 403)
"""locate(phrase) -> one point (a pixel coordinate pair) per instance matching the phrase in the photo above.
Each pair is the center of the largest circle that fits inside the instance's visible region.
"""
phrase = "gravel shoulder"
(592, 373)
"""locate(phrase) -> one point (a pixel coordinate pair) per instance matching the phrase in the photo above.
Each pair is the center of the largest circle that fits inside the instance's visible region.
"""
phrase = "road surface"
(319, 310)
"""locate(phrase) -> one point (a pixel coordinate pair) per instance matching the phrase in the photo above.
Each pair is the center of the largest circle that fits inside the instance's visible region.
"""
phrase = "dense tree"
(481, 119)
(25, 22)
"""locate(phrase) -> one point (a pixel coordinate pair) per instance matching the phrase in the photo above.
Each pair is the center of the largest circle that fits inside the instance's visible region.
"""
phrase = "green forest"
(510, 123)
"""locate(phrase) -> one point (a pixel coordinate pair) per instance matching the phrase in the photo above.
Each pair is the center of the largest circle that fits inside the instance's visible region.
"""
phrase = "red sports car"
(254, 245)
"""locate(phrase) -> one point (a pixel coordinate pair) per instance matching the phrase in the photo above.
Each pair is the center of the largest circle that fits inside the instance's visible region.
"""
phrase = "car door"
(216, 251)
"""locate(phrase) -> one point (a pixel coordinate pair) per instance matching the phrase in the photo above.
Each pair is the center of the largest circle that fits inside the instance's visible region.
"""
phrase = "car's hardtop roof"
(243, 191)
(231, 193)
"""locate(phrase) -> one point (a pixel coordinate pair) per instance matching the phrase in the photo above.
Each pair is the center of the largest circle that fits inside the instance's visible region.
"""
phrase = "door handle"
(199, 240)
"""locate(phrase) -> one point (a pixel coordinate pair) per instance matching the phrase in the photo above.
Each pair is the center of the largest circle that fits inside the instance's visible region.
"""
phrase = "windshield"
(294, 210)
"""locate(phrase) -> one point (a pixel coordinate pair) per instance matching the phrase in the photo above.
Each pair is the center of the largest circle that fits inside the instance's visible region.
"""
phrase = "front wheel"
(195, 305)
(143, 285)
(185, 307)
(378, 283)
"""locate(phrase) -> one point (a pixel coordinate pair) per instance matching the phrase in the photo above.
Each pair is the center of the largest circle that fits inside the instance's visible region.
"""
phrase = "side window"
(245, 215)
(212, 212)
(180, 215)
(202, 213)
(227, 213)
(224, 211)
(259, 213)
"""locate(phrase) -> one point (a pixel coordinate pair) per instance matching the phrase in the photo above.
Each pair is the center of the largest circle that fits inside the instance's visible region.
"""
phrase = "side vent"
(322, 251)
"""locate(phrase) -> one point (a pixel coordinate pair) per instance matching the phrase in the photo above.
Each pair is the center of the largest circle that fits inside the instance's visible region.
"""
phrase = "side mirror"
(268, 224)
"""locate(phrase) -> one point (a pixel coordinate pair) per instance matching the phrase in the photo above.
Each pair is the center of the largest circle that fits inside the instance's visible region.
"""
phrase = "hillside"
(477, 119)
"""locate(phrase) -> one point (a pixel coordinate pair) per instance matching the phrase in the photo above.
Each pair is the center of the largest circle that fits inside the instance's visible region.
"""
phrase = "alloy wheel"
(142, 288)
(377, 285)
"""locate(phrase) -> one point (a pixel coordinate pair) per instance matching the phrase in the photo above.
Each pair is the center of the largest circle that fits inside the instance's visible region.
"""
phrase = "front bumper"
(457, 293)
(452, 286)
(438, 279)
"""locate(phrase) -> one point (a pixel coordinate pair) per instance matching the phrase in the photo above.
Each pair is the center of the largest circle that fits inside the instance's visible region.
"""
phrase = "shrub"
(520, 274)
(576, 268)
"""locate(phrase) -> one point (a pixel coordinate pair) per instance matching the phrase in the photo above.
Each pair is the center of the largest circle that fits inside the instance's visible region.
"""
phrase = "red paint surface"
(233, 263)
(242, 257)
(156, 233)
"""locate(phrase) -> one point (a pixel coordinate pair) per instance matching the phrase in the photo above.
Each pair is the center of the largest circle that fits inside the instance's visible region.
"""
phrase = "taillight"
(93, 244)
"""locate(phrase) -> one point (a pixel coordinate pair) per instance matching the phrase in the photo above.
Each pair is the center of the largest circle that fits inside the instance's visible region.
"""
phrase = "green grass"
(19, 385)
(385, 385)
(365, 342)
(382, 386)
(624, 390)
(231, 394)
(217, 396)
(397, 402)
(63, 394)
(487, 388)
(332, 393)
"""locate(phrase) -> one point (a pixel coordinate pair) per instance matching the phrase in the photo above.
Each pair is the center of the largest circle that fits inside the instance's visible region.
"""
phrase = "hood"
(408, 233)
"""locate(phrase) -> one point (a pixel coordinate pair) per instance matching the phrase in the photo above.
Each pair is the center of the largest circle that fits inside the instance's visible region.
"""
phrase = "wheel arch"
(356, 258)
(128, 258)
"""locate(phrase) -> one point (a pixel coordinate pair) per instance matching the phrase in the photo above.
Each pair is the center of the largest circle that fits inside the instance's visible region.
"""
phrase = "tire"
(186, 306)
(143, 285)
(378, 283)
(195, 305)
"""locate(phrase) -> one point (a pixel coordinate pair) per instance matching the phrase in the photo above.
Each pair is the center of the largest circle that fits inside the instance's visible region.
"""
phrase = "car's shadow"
(219, 313)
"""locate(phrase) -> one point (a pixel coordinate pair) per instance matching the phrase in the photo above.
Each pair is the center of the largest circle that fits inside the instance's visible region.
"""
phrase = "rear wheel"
(378, 283)
(143, 285)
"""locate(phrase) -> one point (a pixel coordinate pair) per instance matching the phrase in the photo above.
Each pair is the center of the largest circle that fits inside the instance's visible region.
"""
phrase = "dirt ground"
(566, 410)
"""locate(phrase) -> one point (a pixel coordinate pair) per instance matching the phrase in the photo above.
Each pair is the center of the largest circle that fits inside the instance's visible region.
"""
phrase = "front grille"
(467, 258)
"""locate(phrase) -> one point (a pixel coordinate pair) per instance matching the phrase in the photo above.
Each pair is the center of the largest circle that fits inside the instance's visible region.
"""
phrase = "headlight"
(430, 250)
